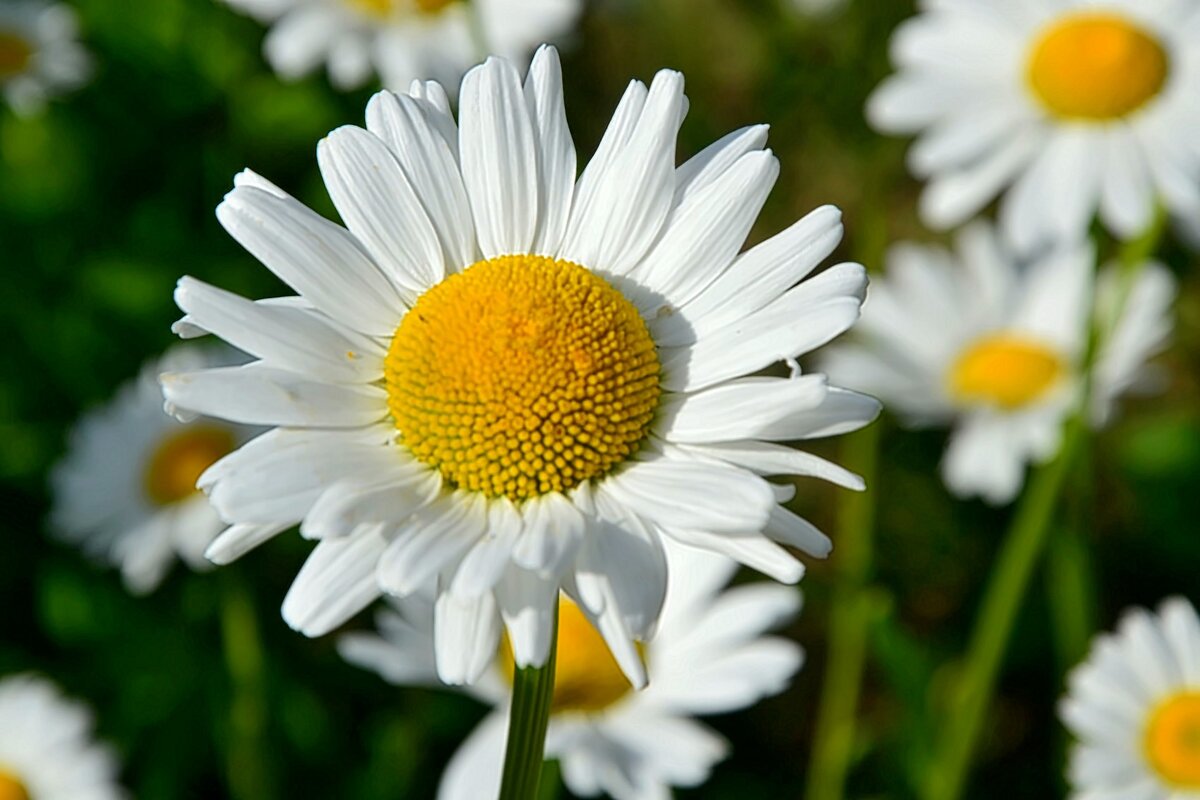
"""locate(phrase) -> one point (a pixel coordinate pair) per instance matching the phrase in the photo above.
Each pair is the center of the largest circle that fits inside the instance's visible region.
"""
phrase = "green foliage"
(108, 198)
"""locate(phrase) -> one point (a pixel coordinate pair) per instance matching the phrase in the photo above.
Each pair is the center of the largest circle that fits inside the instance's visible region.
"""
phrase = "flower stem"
(533, 689)
(851, 613)
(249, 774)
(1002, 599)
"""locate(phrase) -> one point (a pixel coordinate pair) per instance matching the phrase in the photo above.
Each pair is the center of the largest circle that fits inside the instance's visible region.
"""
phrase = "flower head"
(126, 490)
(402, 40)
(507, 381)
(39, 53)
(1134, 707)
(1064, 107)
(47, 751)
(710, 655)
(994, 346)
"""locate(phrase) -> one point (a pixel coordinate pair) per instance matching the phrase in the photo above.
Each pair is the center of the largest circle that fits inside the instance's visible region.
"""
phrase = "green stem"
(249, 774)
(1070, 586)
(1002, 599)
(533, 690)
(851, 614)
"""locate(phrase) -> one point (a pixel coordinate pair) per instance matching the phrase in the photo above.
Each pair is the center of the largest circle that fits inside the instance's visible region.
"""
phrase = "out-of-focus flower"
(40, 55)
(1072, 106)
(979, 340)
(47, 751)
(512, 381)
(126, 490)
(1134, 706)
(709, 656)
(403, 40)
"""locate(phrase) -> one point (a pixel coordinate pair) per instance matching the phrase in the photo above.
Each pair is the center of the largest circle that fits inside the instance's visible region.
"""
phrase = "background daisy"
(710, 655)
(126, 489)
(992, 345)
(513, 381)
(1064, 107)
(1134, 707)
(403, 40)
(40, 55)
(47, 751)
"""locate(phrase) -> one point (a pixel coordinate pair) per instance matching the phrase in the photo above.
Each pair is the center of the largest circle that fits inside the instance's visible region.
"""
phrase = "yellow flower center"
(586, 676)
(521, 376)
(1096, 66)
(15, 53)
(11, 787)
(385, 8)
(1172, 740)
(1004, 370)
(180, 458)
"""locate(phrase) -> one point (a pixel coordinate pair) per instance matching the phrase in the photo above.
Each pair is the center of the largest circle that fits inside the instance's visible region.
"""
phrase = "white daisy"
(126, 489)
(709, 656)
(1134, 706)
(992, 346)
(47, 751)
(40, 55)
(403, 40)
(1066, 106)
(512, 380)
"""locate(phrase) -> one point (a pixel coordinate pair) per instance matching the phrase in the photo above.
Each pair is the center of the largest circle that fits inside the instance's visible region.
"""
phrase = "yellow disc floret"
(179, 459)
(1096, 66)
(1172, 740)
(15, 54)
(586, 676)
(1005, 370)
(521, 376)
(11, 787)
(385, 8)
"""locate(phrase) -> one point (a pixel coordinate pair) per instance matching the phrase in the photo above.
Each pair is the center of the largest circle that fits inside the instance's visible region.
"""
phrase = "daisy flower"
(126, 489)
(47, 751)
(709, 656)
(1064, 106)
(403, 40)
(511, 380)
(1134, 707)
(39, 53)
(992, 346)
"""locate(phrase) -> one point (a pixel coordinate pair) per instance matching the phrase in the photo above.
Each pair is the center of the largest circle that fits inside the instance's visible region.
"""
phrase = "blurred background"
(107, 198)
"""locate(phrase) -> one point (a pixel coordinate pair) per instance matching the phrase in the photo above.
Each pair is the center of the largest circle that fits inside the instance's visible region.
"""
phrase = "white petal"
(795, 531)
(498, 150)
(474, 771)
(489, 557)
(387, 497)
(431, 164)
(556, 150)
(290, 338)
(693, 495)
(757, 277)
(756, 552)
(437, 535)
(237, 540)
(380, 207)
(621, 207)
(317, 258)
(335, 583)
(737, 409)
(552, 531)
(705, 233)
(255, 394)
(711, 162)
(527, 605)
(466, 635)
(763, 458)
(774, 334)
